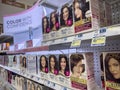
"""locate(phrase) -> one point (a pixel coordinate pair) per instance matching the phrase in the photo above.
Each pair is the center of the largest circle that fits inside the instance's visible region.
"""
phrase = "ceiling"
(49, 3)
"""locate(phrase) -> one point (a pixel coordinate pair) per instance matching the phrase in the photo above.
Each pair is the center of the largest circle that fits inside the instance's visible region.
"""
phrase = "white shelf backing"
(112, 44)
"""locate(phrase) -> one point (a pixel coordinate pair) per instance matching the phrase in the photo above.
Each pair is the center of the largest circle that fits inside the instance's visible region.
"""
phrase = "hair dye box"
(28, 86)
(66, 21)
(46, 28)
(39, 87)
(9, 76)
(13, 79)
(54, 24)
(1, 59)
(82, 71)
(4, 74)
(64, 70)
(23, 63)
(33, 85)
(102, 71)
(111, 62)
(16, 81)
(10, 60)
(6, 59)
(21, 84)
(42, 64)
(46, 37)
(53, 67)
(85, 19)
(16, 62)
(105, 16)
(31, 64)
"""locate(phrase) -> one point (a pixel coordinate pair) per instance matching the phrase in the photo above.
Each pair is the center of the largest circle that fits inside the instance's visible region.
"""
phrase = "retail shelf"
(38, 79)
(6, 38)
(11, 86)
(109, 31)
(3, 52)
(23, 51)
(7, 84)
(34, 49)
(60, 46)
(7, 52)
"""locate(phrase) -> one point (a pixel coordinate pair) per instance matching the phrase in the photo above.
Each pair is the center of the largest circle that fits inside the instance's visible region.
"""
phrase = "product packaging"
(31, 64)
(82, 71)
(64, 70)
(111, 62)
(66, 21)
(43, 68)
(53, 67)
(45, 27)
(28, 85)
(54, 24)
(82, 16)
(24, 64)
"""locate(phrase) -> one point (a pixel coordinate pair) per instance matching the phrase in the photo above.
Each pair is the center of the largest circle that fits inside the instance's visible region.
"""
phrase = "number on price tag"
(76, 43)
(98, 41)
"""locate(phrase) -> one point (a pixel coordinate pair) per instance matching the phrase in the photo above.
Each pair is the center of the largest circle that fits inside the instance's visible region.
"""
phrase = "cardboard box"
(82, 71)
(112, 70)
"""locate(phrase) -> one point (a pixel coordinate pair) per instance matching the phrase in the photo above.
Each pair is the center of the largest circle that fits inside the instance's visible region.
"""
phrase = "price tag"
(102, 30)
(76, 43)
(63, 88)
(98, 41)
(65, 39)
(79, 35)
(52, 85)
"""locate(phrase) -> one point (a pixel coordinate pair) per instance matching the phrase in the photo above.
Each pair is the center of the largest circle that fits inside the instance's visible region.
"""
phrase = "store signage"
(22, 21)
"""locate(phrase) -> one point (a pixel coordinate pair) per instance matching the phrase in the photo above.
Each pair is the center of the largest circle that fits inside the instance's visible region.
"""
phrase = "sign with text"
(22, 21)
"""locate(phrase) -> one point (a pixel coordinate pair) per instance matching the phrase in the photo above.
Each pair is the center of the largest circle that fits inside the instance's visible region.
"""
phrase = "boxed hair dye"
(82, 15)
(39, 87)
(6, 59)
(45, 28)
(43, 68)
(23, 63)
(111, 62)
(64, 70)
(53, 67)
(66, 21)
(10, 60)
(82, 71)
(1, 59)
(31, 64)
(28, 85)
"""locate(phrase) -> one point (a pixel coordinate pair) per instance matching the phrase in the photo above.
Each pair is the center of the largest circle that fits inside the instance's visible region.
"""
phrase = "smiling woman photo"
(54, 23)
(112, 67)
(66, 18)
(63, 65)
(53, 66)
(45, 25)
(43, 64)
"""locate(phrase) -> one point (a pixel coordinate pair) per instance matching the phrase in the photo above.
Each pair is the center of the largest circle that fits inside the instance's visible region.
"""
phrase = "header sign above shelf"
(22, 21)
